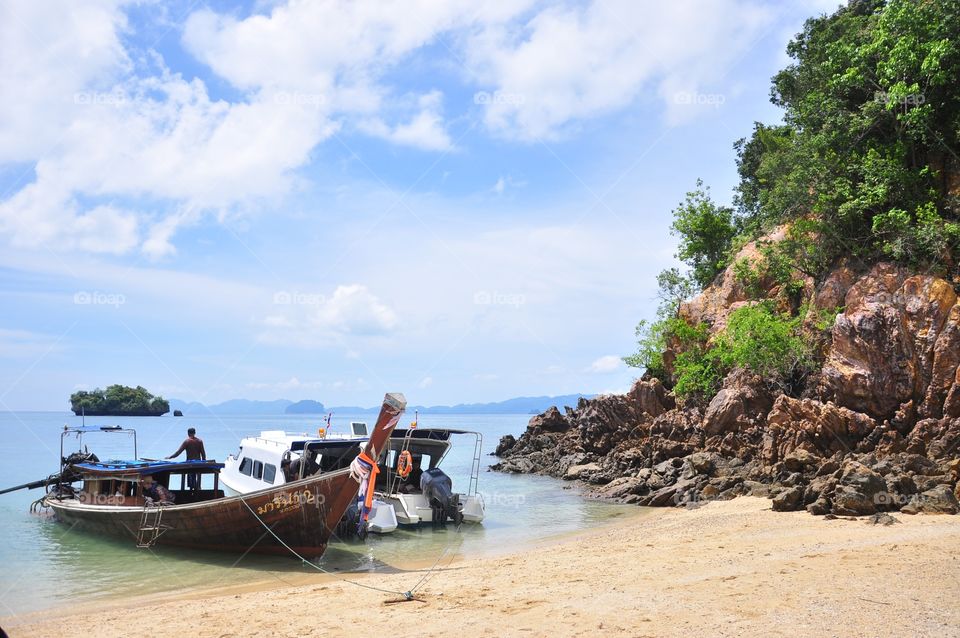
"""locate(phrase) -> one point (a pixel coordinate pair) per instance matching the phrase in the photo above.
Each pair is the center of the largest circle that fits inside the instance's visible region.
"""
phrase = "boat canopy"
(319, 444)
(143, 468)
(96, 428)
(434, 434)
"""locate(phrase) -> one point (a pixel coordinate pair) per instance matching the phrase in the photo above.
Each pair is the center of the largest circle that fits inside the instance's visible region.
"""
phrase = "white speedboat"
(277, 457)
(425, 494)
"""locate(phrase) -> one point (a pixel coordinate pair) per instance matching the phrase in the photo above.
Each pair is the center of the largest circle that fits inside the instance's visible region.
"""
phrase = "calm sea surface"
(42, 564)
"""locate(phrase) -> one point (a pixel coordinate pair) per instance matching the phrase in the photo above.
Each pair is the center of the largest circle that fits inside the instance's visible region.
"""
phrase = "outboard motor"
(437, 488)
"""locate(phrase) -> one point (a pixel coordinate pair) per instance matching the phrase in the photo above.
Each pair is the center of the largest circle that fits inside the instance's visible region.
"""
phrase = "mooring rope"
(408, 595)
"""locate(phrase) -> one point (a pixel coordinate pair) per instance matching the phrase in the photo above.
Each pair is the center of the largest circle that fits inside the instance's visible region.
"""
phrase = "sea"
(43, 564)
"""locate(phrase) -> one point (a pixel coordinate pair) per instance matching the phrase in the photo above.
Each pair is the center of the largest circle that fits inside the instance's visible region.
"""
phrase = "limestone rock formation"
(877, 430)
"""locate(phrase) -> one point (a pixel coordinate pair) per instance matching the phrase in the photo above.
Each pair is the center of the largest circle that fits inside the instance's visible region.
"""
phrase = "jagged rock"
(805, 423)
(506, 443)
(577, 471)
(549, 421)
(701, 462)
(877, 428)
(620, 488)
(710, 492)
(847, 501)
(895, 342)
(742, 401)
(788, 500)
(669, 495)
(800, 460)
(857, 492)
(819, 507)
(651, 397)
(939, 500)
(882, 519)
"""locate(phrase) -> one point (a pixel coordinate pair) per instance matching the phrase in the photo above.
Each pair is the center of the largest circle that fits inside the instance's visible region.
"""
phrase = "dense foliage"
(705, 231)
(118, 400)
(756, 338)
(871, 132)
(865, 165)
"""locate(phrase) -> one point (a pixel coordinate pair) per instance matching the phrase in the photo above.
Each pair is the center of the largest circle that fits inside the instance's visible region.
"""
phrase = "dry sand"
(727, 569)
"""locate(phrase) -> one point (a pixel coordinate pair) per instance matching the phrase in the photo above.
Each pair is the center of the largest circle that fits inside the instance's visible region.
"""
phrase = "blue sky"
(463, 201)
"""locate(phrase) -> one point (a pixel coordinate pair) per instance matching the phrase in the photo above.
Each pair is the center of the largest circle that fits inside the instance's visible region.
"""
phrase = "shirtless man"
(195, 452)
(194, 447)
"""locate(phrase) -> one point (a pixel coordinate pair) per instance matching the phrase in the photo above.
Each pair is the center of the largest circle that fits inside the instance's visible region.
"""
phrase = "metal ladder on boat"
(150, 526)
(474, 486)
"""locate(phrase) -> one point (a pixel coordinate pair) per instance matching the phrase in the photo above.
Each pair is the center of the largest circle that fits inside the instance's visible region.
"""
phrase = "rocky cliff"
(876, 429)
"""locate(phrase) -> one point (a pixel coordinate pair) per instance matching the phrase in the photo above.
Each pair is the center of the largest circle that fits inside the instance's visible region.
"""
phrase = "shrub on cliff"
(705, 230)
(770, 344)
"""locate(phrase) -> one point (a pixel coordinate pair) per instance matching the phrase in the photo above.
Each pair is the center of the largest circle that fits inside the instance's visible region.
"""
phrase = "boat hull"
(301, 515)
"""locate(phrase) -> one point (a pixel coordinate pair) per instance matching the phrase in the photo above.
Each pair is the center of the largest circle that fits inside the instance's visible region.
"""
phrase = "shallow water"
(46, 564)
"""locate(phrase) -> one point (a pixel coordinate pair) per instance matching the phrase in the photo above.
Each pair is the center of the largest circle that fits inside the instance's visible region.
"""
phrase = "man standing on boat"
(195, 452)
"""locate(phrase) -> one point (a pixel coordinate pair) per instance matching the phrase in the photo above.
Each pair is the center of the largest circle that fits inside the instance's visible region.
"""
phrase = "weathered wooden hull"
(304, 514)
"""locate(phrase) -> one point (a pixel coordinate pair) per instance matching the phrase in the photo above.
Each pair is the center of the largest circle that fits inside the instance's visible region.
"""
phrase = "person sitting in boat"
(193, 445)
(412, 482)
(153, 492)
(293, 470)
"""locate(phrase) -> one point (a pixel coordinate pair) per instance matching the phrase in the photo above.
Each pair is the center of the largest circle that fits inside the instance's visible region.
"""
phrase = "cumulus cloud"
(606, 364)
(351, 312)
(125, 151)
(571, 62)
(424, 130)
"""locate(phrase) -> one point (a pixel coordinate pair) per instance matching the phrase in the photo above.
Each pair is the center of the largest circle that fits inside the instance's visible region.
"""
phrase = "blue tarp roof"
(148, 467)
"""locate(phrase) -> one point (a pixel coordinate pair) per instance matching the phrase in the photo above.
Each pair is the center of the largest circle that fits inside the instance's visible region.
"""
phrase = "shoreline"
(727, 568)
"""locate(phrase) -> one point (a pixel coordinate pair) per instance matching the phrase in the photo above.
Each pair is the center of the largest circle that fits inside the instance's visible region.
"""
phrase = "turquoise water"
(44, 564)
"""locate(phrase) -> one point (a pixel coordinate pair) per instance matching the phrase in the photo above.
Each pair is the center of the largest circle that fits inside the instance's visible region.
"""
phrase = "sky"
(461, 200)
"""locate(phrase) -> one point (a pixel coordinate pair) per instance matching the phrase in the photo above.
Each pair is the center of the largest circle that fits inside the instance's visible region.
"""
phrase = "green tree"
(705, 231)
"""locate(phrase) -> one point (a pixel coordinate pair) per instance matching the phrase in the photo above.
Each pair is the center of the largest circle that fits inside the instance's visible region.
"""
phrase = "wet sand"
(731, 568)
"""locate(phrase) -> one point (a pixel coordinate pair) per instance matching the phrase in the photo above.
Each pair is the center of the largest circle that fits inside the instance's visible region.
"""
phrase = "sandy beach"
(726, 569)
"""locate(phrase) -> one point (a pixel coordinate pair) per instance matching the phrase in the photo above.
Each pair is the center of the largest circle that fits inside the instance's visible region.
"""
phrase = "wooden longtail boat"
(302, 514)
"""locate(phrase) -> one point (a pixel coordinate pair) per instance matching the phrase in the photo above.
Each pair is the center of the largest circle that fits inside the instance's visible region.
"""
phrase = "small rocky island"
(118, 400)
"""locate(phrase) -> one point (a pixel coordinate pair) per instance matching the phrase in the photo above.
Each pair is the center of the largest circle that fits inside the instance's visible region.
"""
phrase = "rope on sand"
(407, 595)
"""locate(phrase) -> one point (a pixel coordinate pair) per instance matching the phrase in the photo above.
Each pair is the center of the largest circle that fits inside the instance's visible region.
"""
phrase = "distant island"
(118, 400)
(306, 406)
(518, 405)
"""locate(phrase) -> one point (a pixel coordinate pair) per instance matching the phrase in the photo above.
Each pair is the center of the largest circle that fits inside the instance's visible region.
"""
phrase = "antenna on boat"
(83, 416)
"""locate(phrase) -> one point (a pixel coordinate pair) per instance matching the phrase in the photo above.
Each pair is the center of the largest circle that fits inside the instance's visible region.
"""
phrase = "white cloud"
(54, 54)
(15, 344)
(351, 312)
(606, 364)
(425, 130)
(573, 62)
(425, 383)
